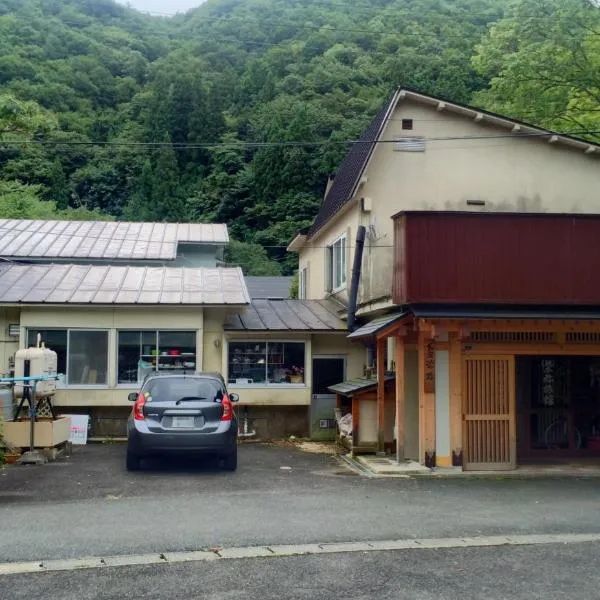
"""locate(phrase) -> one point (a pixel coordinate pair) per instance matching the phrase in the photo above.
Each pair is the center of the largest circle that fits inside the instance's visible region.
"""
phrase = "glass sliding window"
(286, 362)
(88, 358)
(54, 339)
(302, 284)
(338, 263)
(142, 352)
(82, 355)
(265, 362)
(247, 362)
(176, 351)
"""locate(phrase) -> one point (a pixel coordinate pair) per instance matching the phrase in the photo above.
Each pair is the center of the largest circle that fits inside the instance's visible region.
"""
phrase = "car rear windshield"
(175, 388)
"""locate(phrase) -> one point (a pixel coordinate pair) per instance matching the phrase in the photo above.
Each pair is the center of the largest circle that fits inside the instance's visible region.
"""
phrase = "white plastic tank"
(6, 404)
(42, 361)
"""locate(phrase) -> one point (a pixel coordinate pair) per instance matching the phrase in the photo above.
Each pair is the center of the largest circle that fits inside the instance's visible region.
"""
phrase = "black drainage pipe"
(356, 268)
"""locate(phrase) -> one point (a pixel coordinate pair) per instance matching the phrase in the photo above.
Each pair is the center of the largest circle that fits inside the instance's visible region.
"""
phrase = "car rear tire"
(132, 461)
(230, 461)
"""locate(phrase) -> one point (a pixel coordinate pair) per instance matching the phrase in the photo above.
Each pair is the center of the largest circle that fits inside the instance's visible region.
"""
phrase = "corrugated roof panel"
(84, 284)
(372, 327)
(303, 308)
(101, 239)
(46, 284)
(354, 386)
(283, 310)
(250, 319)
(295, 315)
(268, 316)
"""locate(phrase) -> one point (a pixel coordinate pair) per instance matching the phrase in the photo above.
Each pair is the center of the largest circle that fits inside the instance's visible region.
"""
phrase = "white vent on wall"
(408, 144)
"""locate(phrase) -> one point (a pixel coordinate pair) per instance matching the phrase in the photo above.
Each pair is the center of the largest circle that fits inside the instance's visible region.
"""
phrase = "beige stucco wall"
(508, 174)
(313, 256)
(338, 345)
(112, 319)
(8, 344)
(211, 349)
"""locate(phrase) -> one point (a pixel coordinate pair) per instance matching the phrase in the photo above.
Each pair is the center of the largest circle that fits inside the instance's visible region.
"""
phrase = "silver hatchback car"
(182, 414)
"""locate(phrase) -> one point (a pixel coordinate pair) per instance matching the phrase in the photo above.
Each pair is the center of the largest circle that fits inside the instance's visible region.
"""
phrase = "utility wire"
(292, 143)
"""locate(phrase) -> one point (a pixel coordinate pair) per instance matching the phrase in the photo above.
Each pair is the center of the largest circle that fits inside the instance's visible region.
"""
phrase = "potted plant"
(296, 374)
(8, 453)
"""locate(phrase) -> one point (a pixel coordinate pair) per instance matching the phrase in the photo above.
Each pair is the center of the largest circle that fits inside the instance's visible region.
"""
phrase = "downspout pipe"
(356, 269)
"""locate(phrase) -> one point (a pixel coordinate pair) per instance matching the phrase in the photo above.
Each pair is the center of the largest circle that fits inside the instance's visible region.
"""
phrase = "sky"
(162, 6)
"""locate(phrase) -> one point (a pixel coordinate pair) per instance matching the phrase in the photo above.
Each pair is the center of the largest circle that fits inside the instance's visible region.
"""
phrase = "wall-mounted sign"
(429, 371)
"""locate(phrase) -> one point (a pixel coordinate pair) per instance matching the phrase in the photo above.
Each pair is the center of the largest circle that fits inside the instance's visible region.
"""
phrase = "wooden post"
(399, 359)
(456, 403)
(381, 345)
(426, 400)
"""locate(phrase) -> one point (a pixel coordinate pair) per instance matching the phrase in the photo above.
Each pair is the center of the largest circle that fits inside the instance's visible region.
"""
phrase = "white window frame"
(303, 283)
(266, 341)
(338, 275)
(65, 384)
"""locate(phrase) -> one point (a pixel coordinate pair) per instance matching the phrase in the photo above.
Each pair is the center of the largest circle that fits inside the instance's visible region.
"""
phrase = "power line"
(284, 144)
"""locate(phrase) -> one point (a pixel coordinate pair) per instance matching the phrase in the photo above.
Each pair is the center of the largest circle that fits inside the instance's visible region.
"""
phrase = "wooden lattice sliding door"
(489, 413)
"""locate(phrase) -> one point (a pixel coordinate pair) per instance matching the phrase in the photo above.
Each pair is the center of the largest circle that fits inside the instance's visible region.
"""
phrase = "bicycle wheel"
(556, 436)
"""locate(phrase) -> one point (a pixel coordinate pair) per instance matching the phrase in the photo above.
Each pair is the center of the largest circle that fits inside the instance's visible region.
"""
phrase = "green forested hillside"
(197, 117)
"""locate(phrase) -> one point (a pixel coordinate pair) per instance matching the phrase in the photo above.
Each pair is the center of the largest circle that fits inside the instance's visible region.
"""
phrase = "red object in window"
(138, 408)
(227, 409)
(174, 352)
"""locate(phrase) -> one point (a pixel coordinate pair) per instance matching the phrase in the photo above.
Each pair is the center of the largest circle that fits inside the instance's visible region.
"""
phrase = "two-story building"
(473, 285)
(117, 301)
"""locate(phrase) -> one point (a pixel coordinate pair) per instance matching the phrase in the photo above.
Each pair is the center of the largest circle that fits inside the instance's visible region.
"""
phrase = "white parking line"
(233, 553)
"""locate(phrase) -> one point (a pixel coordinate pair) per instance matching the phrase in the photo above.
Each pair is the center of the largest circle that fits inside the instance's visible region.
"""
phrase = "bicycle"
(556, 435)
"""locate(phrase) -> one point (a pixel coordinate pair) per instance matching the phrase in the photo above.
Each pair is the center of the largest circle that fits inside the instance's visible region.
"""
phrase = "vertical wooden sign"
(429, 372)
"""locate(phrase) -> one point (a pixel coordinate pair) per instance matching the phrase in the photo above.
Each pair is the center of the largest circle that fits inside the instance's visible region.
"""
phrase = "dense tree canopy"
(198, 116)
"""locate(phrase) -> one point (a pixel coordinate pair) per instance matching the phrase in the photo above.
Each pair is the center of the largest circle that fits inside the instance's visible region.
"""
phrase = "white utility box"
(43, 361)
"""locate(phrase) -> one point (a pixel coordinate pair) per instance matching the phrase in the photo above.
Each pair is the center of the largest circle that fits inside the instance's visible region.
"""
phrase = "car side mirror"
(234, 397)
(132, 397)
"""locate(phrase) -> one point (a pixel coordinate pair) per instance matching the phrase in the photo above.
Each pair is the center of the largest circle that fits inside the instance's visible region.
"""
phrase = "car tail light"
(138, 407)
(227, 409)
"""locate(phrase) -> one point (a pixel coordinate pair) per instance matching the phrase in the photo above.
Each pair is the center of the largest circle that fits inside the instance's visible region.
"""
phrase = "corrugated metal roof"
(372, 327)
(103, 239)
(355, 386)
(92, 284)
(270, 288)
(287, 315)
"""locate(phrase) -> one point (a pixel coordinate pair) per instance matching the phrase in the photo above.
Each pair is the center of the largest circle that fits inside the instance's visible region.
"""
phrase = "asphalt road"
(516, 573)
(89, 505)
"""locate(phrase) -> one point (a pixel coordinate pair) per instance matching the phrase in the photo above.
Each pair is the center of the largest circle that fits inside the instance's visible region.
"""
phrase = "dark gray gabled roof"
(102, 285)
(373, 327)
(350, 171)
(356, 386)
(269, 288)
(287, 315)
(107, 240)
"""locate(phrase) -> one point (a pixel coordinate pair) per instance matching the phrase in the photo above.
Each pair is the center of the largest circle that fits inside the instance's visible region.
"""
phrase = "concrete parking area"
(89, 505)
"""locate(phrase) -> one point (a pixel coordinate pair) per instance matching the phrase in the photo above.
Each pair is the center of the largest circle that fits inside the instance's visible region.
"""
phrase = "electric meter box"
(42, 361)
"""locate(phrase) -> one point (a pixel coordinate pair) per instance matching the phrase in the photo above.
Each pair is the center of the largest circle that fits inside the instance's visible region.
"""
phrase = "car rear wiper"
(189, 398)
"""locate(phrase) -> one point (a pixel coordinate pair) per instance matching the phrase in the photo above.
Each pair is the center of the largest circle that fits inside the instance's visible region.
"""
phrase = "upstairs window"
(302, 284)
(337, 263)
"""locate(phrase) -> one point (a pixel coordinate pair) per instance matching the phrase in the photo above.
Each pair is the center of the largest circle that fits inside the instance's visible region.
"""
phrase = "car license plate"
(182, 422)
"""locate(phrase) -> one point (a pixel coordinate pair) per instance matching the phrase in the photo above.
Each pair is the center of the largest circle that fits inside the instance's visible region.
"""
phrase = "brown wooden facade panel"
(496, 258)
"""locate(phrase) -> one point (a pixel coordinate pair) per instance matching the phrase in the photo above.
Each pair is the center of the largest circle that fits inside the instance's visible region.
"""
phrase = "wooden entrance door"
(489, 413)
